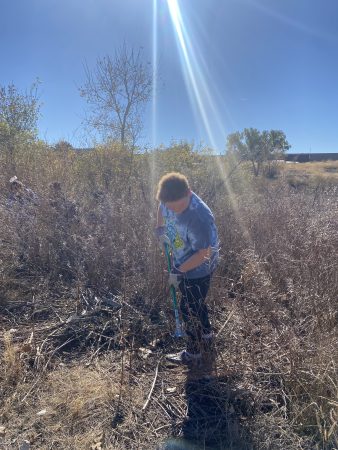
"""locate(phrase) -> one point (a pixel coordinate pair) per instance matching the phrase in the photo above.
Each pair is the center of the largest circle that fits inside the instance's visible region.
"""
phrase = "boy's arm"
(200, 237)
(195, 260)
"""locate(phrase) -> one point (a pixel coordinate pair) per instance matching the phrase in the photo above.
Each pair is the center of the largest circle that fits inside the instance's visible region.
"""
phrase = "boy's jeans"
(194, 311)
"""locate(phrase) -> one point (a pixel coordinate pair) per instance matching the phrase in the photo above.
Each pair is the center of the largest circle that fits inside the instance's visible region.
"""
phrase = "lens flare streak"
(194, 69)
(194, 77)
(155, 64)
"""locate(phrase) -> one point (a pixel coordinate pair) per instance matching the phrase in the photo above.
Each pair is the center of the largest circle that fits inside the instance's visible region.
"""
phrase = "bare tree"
(117, 90)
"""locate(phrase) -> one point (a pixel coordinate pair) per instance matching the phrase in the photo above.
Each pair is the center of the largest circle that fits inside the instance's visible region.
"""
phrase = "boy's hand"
(175, 278)
(160, 233)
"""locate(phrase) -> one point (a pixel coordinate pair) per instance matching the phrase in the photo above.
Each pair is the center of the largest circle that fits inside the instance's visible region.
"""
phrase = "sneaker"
(185, 358)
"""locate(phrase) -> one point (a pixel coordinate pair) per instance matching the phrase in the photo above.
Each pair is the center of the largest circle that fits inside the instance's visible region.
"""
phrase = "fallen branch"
(152, 387)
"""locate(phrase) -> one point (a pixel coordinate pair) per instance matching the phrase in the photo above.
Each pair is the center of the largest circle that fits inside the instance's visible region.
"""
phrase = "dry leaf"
(171, 389)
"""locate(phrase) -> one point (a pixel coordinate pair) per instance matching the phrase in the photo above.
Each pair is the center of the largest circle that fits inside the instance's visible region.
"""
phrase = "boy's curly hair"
(171, 187)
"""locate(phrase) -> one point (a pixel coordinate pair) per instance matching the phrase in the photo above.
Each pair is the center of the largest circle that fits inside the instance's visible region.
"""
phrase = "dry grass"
(87, 321)
(312, 173)
(70, 407)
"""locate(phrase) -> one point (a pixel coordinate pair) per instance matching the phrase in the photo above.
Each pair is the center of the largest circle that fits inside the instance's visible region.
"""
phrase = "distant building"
(308, 157)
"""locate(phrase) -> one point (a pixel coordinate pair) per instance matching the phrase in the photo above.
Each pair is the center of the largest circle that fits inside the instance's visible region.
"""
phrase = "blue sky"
(255, 63)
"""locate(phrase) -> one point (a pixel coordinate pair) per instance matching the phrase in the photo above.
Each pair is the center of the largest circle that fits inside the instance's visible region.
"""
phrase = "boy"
(186, 223)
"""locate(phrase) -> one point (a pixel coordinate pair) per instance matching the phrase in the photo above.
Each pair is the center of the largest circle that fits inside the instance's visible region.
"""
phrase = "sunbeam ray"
(154, 97)
(154, 68)
(194, 67)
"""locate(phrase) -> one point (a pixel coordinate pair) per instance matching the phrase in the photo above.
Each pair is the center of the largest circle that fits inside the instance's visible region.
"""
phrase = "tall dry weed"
(91, 231)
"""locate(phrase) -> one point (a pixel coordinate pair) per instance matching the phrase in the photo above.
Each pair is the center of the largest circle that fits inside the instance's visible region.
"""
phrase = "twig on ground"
(56, 350)
(152, 387)
(31, 389)
(232, 312)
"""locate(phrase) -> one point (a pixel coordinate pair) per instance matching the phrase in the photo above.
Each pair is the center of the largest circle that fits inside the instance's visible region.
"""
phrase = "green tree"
(19, 115)
(63, 146)
(257, 147)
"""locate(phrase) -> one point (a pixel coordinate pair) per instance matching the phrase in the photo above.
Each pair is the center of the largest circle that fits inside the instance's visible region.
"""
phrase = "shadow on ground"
(218, 413)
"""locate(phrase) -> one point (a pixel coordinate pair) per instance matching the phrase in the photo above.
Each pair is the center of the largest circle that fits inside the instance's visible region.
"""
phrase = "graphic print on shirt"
(173, 235)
